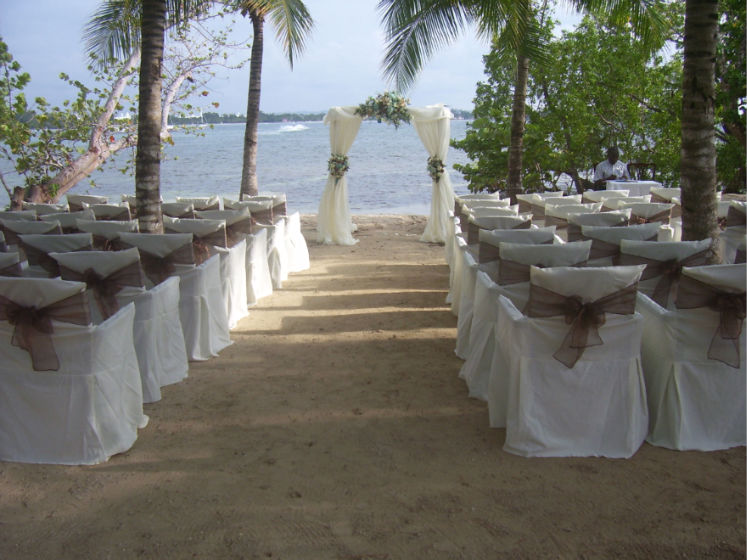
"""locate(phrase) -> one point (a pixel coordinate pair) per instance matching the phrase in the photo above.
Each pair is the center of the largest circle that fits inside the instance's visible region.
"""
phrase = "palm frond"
(293, 24)
(113, 31)
(415, 30)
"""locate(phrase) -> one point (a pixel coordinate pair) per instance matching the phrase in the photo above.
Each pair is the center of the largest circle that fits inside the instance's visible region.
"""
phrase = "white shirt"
(606, 169)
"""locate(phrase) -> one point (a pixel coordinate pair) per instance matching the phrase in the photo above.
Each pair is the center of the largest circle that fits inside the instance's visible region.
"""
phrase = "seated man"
(610, 169)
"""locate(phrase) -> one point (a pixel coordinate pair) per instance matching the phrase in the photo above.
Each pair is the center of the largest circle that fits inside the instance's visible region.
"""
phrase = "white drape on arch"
(433, 125)
(334, 224)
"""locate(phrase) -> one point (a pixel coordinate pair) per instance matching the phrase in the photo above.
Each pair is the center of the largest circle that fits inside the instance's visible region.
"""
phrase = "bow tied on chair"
(106, 288)
(730, 306)
(668, 272)
(33, 326)
(585, 319)
(158, 268)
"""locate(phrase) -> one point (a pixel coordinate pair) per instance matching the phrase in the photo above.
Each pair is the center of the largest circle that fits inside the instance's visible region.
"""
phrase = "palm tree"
(698, 161)
(293, 23)
(415, 28)
(115, 31)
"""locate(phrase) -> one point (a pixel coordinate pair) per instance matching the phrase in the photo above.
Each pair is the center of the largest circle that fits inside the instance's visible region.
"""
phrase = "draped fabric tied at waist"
(33, 326)
(574, 231)
(662, 217)
(512, 272)
(730, 306)
(106, 288)
(158, 269)
(14, 270)
(584, 318)
(41, 258)
(668, 272)
(203, 244)
(262, 216)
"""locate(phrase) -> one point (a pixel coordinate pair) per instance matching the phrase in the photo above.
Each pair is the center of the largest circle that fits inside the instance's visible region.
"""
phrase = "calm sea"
(387, 166)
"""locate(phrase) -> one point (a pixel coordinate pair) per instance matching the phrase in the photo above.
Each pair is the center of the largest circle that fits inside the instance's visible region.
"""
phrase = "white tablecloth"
(635, 188)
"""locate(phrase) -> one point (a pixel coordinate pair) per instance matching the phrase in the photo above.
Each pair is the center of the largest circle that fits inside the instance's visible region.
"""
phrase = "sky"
(341, 64)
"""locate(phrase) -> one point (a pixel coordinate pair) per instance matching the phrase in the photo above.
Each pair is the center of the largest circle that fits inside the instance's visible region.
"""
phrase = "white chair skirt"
(258, 278)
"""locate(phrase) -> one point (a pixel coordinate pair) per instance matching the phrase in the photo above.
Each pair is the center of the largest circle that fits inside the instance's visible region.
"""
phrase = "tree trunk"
(148, 160)
(698, 165)
(518, 117)
(249, 186)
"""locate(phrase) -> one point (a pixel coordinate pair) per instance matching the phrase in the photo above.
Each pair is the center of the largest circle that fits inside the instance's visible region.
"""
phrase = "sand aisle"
(336, 428)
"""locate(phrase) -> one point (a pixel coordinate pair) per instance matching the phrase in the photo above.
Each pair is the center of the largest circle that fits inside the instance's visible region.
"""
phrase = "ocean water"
(387, 166)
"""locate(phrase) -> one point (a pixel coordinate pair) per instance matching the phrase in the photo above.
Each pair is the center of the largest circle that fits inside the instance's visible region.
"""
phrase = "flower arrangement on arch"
(389, 107)
(436, 168)
(338, 166)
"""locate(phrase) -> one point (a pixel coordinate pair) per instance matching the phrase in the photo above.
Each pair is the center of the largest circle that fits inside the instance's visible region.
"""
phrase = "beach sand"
(335, 427)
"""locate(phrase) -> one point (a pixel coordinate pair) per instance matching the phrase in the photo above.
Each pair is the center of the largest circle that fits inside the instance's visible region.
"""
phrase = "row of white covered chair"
(549, 408)
(132, 310)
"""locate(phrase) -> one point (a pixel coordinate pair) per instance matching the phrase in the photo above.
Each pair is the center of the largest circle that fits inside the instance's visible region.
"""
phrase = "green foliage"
(731, 105)
(602, 88)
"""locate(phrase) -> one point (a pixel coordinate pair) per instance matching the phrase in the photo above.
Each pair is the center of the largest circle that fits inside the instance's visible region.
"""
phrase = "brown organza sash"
(512, 272)
(735, 218)
(739, 258)
(33, 327)
(559, 223)
(105, 288)
(263, 216)
(158, 269)
(725, 343)
(660, 199)
(280, 209)
(584, 318)
(524, 206)
(122, 216)
(603, 249)
(42, 259)
(13, 270)
(239, 230)
(101, 243)
(575, 233)
(662, 217)
(487, 252)
(537, 211)
(668, 271)
(11, 237)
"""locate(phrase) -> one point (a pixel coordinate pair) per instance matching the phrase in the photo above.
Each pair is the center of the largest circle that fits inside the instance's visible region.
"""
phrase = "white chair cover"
(614, 236)
(621, 202)
(202, 202)
(600, 196)
(277, 255)
(25, 215)
(731, 241)
(87, 410)
(76, 202)
(433, 124)
(119, 212)
(178, 209)
(233, 281)
(334, 224)
(477, 367)
(38, 247)
(258, 278)
(10, 264)
(480, 211)
(295, 244)
(69, 220)
(202, 310)
(694, 402)
(597, 407)
(157, 330)
(44, 208)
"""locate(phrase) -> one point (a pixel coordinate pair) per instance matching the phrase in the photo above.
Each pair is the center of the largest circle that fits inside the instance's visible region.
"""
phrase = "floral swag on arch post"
(432, 124)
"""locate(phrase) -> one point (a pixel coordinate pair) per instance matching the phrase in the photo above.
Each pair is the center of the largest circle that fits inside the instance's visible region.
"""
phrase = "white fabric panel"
(530, 236)
(476, 370)
(648, 209)
(295, 244)
(202, 226)
(23, 227)
(597, 408)
(25, 215)
(82, 414)
(258, 278)
(492, 211)
(42, 208)
(433, 125)
(728, 277)
(467, 296)
(558, 200)
(229, 216)
(621, 202)
(694, 402)
(277, 255)
(61, 243)
(455, 292)
(565, 210)
(201, 202)
(233, 281)
(730, 240)
(599, 196)
(567, 254)
(86, 198)
(334, 224)
(607, 219)
(666, 193)
(202, 310)
(69, 219)
(108, 229)
(159, 245)
(177, 208)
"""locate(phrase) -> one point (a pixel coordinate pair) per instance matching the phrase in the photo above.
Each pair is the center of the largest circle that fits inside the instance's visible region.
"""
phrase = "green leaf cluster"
(603, 87)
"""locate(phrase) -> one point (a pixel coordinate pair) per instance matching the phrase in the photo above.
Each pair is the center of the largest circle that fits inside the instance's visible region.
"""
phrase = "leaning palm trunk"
(148, 160)
(249, 186)
(698, 165)
(518, 118)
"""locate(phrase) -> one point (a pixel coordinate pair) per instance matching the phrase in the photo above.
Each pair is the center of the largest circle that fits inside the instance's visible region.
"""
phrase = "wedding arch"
(432, 123)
